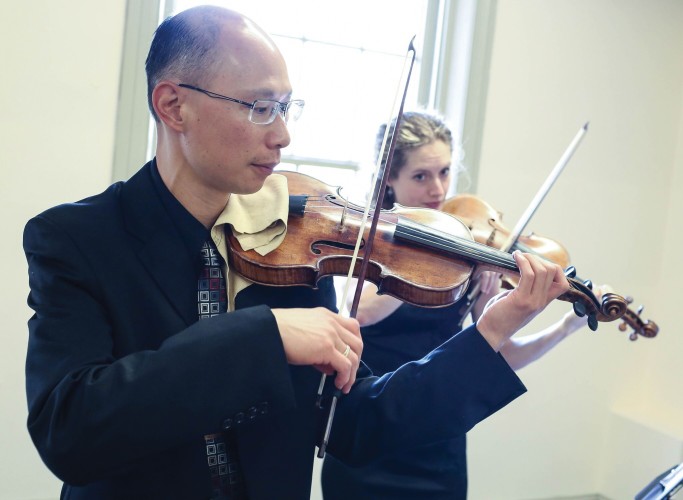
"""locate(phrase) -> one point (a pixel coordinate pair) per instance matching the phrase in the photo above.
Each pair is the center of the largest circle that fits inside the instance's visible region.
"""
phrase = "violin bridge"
(342, 221)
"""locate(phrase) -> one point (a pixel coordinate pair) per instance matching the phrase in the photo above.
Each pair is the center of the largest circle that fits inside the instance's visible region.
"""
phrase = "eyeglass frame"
(282, 109)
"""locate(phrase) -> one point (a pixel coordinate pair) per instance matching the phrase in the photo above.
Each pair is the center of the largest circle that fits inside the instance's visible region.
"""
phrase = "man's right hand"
(319, 337)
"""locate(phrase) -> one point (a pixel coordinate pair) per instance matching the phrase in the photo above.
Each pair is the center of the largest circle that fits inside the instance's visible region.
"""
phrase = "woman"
(395, 333)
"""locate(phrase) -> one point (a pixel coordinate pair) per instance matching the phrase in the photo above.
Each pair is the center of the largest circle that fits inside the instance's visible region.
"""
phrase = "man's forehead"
(243, 32)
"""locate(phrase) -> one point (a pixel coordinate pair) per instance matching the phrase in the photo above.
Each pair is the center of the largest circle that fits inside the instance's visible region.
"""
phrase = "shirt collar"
(191, 231)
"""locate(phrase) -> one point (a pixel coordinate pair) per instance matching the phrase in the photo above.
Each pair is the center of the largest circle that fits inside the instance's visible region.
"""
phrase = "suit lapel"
(159, 246)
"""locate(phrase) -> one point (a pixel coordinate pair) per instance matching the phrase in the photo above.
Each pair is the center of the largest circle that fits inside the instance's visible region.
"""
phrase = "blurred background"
(516, 79)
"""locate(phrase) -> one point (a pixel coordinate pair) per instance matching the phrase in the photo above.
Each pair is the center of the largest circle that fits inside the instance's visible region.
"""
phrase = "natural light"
(348, 77)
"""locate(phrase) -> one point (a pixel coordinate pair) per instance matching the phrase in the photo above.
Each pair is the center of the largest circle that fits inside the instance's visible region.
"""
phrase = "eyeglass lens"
(265, 111)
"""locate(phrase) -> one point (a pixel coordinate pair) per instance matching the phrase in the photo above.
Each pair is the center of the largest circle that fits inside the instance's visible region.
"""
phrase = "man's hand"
(540, 283)
(319, 337)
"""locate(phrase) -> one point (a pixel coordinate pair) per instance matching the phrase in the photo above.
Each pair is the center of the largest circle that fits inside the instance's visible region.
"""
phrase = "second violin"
(485, 223)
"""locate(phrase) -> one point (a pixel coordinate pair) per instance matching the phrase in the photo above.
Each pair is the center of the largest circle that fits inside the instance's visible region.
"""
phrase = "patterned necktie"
(221, 449)
(211, 297)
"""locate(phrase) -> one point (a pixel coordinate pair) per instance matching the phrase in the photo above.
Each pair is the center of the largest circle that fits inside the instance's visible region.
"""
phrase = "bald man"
(155, 371)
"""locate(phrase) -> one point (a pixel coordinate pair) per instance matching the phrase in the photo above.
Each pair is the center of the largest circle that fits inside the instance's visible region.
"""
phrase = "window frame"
(453, 82)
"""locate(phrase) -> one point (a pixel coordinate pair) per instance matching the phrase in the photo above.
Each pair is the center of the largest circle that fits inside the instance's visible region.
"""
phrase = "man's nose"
(278, 133)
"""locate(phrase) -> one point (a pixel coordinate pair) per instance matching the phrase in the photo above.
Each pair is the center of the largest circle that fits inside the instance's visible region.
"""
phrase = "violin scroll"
(611, 306)
(647, 328)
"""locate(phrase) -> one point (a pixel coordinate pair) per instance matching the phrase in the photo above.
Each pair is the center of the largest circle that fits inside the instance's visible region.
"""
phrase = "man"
(130, 396)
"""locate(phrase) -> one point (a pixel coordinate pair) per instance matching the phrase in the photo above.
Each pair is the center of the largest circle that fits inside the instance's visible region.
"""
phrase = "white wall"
(616, 208)
(59, 86)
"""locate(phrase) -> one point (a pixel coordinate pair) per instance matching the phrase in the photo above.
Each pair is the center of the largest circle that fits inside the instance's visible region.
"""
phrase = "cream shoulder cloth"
(259, 223)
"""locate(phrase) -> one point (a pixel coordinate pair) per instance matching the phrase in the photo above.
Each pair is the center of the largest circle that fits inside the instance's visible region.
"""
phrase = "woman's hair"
(416, 129)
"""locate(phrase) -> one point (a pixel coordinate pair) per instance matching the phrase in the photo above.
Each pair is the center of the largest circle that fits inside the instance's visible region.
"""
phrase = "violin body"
(486, 225)
(318, 244)
(421, 256)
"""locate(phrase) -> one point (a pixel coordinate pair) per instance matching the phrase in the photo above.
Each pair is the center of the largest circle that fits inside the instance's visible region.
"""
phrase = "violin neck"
(482, 257)
(476, 253)
(518, 245)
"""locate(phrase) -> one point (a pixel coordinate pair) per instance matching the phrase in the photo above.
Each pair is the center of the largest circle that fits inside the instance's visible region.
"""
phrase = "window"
(345, 61)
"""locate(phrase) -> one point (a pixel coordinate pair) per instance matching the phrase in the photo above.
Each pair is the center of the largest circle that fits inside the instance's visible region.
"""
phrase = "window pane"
(345, 60)
(379, 25)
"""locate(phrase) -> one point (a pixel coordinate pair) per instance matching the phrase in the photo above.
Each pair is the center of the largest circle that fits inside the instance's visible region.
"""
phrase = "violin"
(421, 256)
(486, 226)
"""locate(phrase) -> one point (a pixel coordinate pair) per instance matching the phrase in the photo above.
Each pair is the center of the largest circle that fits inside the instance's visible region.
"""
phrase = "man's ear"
(166, 101)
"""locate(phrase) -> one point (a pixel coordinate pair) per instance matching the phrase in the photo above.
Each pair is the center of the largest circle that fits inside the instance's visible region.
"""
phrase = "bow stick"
(543, 191)
(371, 234)
(475, 291)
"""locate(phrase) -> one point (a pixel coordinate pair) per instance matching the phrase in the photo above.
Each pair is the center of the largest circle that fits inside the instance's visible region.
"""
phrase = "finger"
(560, 283)
(326, 369)
(349, 324)
(526, 275)
(549, 280)
(346, 356)
(346, 367)
(348, 331)
(544, 276)
(352, 355)
(353, 371)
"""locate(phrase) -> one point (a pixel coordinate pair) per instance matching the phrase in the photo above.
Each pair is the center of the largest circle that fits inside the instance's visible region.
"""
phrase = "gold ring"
(346, 351)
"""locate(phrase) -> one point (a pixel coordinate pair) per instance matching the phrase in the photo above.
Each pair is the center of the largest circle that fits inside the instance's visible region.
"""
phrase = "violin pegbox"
(612, 305)
(579, 306)
(647, 328)
(585, 303)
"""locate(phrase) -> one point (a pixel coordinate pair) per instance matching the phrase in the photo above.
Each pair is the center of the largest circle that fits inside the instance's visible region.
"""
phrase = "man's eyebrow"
(270, 94)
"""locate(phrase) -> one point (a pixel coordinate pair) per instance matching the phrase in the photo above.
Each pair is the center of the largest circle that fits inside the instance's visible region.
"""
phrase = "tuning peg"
(570, 272)
(589, 284)
(633, 336)
(623, 326)
(592, 321)
(579, 309)
(628, 299)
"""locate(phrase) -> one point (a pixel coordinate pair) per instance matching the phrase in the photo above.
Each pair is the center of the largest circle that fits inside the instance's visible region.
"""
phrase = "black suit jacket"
(123, 382)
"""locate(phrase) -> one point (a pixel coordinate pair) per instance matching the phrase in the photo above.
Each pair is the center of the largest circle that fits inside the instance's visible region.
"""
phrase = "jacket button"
(252, 413)
(227, 424)
(263, 408)
(239, 418)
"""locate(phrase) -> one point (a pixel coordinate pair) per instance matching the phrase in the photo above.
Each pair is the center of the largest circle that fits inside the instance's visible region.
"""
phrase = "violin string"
(456, 245)
(434, 238)
(428, 237)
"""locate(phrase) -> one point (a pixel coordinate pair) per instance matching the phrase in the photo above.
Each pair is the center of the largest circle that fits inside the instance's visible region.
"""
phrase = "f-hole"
(315, 246)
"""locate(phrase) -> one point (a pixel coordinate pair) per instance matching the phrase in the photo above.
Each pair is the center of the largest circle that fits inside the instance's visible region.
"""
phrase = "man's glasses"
(261, 111)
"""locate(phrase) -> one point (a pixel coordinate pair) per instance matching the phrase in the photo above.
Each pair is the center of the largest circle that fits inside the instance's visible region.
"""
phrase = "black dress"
(436, 471)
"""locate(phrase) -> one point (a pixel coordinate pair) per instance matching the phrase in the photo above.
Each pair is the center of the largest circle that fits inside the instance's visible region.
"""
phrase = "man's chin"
(252, 187)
